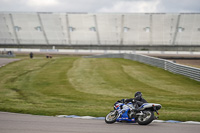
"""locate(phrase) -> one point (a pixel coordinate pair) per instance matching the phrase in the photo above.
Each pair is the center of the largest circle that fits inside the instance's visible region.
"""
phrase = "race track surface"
(4, 61)
(23, 123)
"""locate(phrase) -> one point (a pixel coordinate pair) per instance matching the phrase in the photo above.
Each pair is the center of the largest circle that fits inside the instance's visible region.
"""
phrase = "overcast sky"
(96, 6)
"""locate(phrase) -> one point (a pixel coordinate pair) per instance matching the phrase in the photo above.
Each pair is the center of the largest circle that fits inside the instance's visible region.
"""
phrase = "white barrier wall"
(100, 29)
(191, 72)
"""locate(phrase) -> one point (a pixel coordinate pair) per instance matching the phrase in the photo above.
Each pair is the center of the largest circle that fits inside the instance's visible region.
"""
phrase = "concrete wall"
(191, 29)
(83, 29)
(129, 29)
(7, 35)
(27, 24)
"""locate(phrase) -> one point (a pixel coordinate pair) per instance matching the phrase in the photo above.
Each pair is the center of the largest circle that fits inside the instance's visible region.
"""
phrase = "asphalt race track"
(24, 123)
(4, 61)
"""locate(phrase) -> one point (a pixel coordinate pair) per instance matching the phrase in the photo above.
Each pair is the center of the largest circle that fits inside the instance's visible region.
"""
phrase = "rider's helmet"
(138, 95)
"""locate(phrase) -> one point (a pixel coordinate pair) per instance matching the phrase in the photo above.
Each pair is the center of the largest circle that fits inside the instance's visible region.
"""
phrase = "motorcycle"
(125, 112)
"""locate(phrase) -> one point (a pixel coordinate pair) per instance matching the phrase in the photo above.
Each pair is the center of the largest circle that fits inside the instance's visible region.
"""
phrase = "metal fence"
(191, 72)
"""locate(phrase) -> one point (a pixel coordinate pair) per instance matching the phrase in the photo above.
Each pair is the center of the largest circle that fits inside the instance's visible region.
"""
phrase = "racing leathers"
(137, 101)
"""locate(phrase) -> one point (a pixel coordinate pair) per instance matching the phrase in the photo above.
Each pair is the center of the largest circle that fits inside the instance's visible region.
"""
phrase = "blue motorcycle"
(125, 112)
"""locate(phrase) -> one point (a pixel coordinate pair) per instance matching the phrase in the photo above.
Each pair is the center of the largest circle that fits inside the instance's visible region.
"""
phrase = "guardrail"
(191, 72)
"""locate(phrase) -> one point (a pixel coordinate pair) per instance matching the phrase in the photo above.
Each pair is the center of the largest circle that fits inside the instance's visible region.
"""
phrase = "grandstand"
(156, 31)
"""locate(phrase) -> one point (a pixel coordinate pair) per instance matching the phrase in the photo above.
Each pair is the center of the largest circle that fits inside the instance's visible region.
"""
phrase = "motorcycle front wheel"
(147, 118)
(111, 117)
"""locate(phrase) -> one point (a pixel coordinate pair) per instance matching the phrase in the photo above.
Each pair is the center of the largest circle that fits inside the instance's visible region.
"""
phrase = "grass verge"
(85, 86)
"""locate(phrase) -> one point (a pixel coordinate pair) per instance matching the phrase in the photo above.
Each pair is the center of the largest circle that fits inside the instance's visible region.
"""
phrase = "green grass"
(89, 86)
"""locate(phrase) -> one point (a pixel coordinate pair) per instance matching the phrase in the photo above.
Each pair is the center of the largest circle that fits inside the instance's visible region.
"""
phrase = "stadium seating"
(7, 35)
(45, 28)
(28, 32)
(83, 29)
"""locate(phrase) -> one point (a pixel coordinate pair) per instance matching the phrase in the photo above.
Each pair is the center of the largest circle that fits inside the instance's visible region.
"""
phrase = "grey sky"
(95, 6)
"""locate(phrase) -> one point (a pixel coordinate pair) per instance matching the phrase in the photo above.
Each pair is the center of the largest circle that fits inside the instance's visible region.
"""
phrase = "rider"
(138, 100)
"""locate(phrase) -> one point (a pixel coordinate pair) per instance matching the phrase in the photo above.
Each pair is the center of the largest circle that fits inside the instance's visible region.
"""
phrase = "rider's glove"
(121, 101)
(126, 101)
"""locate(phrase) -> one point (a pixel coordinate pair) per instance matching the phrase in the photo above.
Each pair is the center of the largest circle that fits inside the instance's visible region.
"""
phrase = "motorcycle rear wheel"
(111, 117)
(147, 118)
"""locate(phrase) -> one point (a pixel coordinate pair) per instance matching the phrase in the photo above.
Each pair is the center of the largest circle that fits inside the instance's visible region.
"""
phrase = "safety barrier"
(191, 72)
